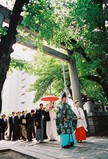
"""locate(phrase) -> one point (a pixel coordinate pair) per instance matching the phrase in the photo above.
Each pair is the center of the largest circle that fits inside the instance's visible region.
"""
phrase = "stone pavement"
(93, 148)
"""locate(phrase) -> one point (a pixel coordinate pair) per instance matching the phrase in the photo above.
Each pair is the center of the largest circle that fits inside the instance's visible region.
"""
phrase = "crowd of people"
(44, 124)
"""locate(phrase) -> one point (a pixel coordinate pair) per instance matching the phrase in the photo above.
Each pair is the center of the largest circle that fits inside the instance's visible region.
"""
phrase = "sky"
(22, 52)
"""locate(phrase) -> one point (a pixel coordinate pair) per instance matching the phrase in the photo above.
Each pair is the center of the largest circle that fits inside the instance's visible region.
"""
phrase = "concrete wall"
(97, 118)
(98, 123)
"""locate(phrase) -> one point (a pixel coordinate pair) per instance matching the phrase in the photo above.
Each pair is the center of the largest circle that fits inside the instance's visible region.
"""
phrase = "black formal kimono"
(3, 128)
(41, 117)
(29, 124)
(17, 127)
(23, 127)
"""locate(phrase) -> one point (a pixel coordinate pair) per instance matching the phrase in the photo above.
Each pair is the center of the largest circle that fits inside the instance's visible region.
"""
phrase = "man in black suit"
(3, 126)
(30, 124)
(11, 126)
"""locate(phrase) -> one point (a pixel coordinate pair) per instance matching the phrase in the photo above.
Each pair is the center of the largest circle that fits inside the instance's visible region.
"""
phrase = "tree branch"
(94, 78)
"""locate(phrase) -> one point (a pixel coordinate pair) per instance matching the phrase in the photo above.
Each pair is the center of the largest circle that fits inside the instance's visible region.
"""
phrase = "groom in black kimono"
(41, 117)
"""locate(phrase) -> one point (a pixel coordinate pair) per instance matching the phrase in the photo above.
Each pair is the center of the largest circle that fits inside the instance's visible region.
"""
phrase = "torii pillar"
(75, 86)
(74, 80)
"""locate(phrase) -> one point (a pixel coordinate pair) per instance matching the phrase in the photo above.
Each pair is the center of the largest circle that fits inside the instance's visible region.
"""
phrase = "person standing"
(41, 117)
(17, 126)
(81, 129)
(23, 126)
(30, 124)
(4, 126)
(51, 125)
(0, 128)
(64, 118)
(11, 127)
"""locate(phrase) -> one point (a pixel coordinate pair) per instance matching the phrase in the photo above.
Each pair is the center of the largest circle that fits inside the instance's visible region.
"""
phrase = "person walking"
(0, 128)
(23, 126)
(64, 119)
(51, 125)
(4, 126)
(41, 117)
(11, 127)
(29, 124)
(81, 129)
(17, 126)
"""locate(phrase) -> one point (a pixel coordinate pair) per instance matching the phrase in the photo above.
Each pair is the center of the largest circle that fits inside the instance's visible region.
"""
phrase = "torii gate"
(75, 86)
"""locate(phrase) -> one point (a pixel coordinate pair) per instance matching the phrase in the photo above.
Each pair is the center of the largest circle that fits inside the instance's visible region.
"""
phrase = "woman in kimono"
(64, 122)
(23, 126)
(81, 129)
(51, 125)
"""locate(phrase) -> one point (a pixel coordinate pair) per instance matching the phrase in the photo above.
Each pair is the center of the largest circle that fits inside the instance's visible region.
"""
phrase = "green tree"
(91, 24)
(79, 26)
(48, 72)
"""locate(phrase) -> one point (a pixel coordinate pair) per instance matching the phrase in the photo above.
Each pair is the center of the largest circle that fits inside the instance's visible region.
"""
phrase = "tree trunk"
(7, 42)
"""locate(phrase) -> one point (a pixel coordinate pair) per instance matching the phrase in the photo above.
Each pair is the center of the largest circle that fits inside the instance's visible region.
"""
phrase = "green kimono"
(64, 121)
(64, 111)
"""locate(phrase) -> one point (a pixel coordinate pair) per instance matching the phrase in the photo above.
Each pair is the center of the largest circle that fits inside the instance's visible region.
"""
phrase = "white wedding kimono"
(51, 126)
(80, 122)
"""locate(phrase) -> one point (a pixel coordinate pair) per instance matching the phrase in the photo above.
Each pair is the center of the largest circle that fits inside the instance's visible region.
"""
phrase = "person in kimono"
(51, 125)
(80, 132)
(17, 126)
(41, 117)
(23, 125)
(64, 122)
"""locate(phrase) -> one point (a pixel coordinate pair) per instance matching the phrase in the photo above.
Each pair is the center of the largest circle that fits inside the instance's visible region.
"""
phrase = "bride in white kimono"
(51, 125)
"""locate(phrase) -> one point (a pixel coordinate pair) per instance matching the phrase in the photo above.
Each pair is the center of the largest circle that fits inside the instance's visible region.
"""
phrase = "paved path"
(93, 148)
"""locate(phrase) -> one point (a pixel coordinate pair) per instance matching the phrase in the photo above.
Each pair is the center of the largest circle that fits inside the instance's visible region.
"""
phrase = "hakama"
(80, 134)
(67, 139)
(81, 129)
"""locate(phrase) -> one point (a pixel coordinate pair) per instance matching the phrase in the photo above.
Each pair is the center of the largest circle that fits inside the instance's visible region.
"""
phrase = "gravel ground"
(13, 155)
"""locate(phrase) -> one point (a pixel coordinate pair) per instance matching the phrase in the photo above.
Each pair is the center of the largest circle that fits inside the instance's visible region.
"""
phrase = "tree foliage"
(48, 72)
(82, 28)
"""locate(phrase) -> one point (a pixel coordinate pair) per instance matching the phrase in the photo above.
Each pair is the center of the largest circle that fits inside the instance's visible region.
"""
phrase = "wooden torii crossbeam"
(48, 50)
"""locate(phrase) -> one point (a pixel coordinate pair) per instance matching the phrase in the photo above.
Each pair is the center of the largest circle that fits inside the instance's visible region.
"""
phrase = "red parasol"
(50, 98)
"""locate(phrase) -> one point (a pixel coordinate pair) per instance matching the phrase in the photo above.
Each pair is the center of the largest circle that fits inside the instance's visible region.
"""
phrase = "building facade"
(15, 95)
